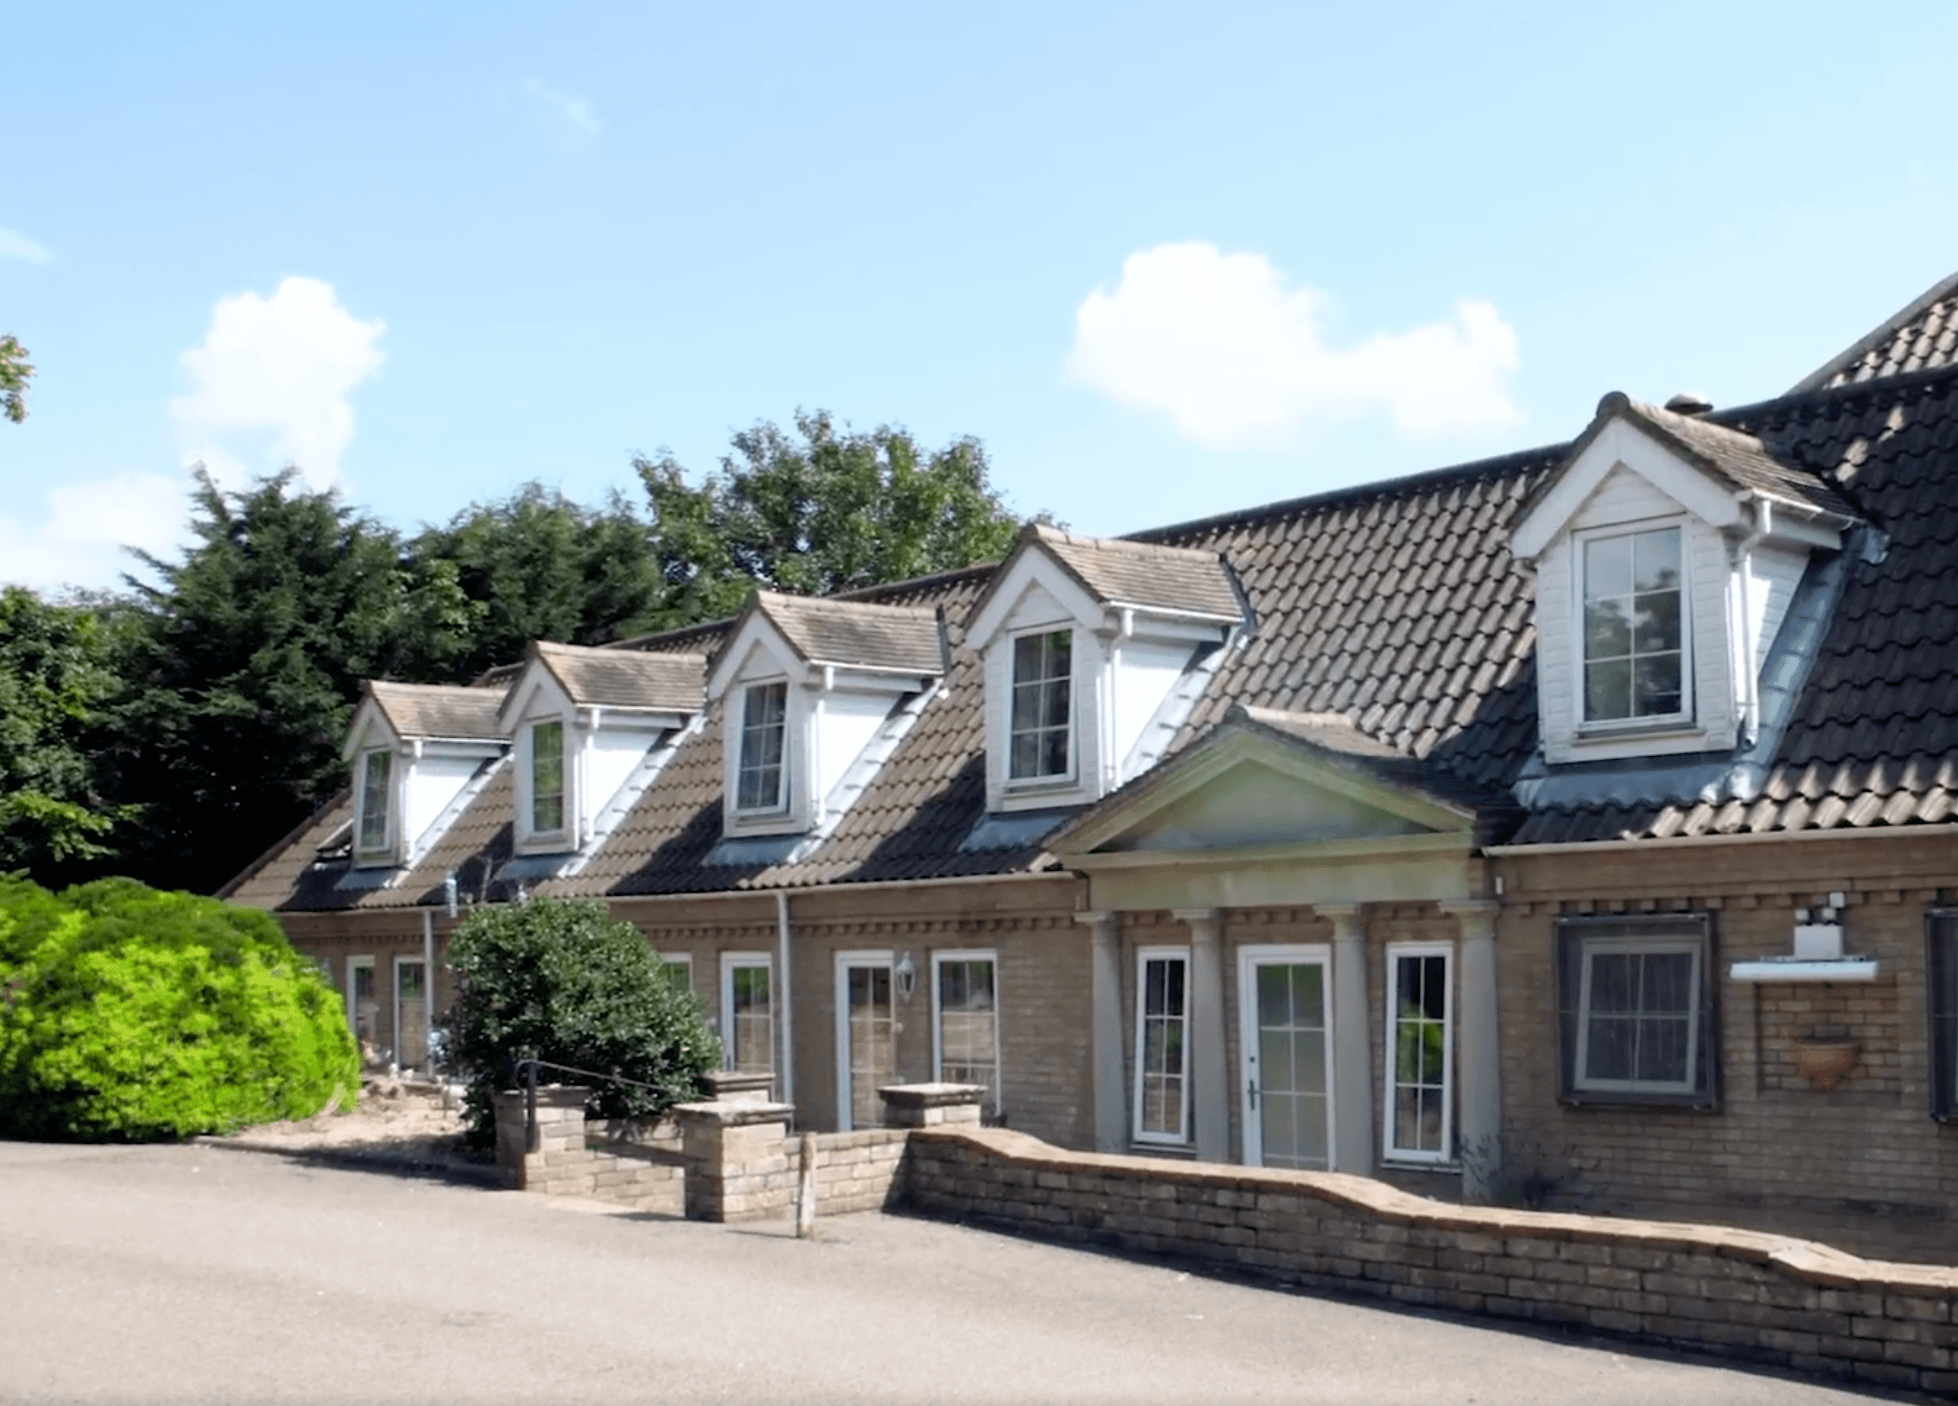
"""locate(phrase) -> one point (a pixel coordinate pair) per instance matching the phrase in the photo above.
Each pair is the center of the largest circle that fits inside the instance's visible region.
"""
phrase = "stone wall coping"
(738, 1086)
(549, 1096)
(733, 1115)
(1804, 1260)
(931, 1095)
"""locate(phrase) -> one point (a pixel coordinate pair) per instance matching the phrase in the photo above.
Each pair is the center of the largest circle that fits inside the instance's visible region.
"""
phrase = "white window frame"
(887, 959)
(684, 960)
(780, 804)
(1390, 1151)
(1144, 956)
(385, 849)
(732, 962)
(938, 961)
(1060, 780)
(565, 827)
(1604, 727)
(1656, 945)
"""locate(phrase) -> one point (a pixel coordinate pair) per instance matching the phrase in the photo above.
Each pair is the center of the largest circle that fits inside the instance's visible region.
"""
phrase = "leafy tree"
(60, 681)
(132, 1014)
(15, 373)
(254, 647)
(564, 981)
(534, 566)
(827, 509)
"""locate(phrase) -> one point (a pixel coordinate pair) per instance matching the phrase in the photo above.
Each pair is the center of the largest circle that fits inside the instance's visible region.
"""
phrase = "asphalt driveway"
(199, 1274)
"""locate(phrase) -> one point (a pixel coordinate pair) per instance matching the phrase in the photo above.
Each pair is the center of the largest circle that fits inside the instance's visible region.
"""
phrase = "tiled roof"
(1389, 619)
(438, 710)
(1152, 575)
(1873, 739)
(1740, 458)
(863, 634)
(625, 678)
(1923, 336)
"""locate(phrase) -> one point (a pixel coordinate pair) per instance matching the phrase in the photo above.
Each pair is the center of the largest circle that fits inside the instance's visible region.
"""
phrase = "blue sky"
(1165, 261)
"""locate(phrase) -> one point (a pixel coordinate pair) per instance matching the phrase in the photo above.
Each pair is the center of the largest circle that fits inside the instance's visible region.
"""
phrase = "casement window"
(747, 1013)
(1634, 645)
(1040, 736)
(547, 777)
(1420, 1041)
(376, 788)
(761, 777)
(1162, 1045)
(1942, 932)
(1637, 1010)
(965, 1021)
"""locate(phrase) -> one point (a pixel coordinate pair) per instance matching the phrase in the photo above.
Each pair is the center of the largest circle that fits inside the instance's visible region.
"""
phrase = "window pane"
(764, 744)
(1608, 689)
(547, 777)
(1607, 567)
(377, 767)
(1658, 685)
(1655, 557)
(1606, 634)
(1655, 625)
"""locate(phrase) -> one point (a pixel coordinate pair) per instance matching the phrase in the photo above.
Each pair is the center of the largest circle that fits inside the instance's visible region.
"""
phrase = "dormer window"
(1041, 743)
(376, 794)
(1634, 652)
(813, 696)
(764, 736)
(1095, 652)
(547, 777)
(1668, 550)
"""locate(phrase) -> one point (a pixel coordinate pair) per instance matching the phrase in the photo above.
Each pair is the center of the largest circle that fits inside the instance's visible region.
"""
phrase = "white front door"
(866, 1037)
(1285, 1028)
(410, 1012)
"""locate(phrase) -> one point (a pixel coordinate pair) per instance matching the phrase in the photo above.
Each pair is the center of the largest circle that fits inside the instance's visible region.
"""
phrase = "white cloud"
(272, 381)
(85, 526)
(1234, 356)
(572, 117)
(19, 246)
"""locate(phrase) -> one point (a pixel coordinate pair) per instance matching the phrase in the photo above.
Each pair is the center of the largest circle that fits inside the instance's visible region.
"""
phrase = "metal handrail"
(526, 1070)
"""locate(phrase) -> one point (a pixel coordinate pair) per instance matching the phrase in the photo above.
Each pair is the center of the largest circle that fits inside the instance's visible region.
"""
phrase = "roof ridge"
(1900, 383)
(1843, 360)
(1379, 488)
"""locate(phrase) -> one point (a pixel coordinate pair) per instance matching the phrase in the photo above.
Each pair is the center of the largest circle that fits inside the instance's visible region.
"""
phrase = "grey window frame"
(1659, 932)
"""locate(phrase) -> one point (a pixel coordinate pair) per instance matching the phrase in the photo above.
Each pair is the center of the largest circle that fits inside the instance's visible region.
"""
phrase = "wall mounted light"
(907, 976)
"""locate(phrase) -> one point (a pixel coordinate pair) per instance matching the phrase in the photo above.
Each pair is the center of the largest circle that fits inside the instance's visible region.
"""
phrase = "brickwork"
(1750, 1296)
(1860, 1165)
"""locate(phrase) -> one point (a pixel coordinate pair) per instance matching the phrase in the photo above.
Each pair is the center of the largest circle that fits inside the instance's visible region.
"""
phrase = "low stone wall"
(1748, 1295)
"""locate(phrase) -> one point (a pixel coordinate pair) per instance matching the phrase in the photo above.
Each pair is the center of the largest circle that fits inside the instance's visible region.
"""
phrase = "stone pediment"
(1269, 782)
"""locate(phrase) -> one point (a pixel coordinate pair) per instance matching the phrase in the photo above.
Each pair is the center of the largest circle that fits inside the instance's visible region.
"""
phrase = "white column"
(1105, 976)
(1209, 1070)
(1352, 1073)
(1478, 1048)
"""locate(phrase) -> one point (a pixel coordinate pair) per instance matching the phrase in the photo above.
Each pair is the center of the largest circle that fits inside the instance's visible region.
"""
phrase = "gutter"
(1865, 832)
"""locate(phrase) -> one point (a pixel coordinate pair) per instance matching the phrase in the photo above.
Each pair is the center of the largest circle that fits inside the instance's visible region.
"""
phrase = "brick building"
(1572, 828)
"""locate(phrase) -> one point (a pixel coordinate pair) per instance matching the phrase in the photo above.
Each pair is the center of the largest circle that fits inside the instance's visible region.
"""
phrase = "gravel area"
(396, 1123)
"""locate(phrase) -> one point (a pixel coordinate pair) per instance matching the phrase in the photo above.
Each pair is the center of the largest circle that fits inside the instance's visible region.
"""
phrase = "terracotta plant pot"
(1824, 1062)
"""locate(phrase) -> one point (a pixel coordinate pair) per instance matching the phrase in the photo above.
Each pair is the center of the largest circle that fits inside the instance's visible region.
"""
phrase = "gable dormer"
(583, 722)
(808, 690)
(1090, 646)
(1667, 549)
(413, 749)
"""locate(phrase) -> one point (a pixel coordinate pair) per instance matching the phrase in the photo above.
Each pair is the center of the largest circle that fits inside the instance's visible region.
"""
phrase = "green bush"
(564, 981)
(129, 1014)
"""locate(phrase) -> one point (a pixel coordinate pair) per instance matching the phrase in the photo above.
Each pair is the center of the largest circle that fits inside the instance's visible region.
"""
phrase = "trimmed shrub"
(130, 1014)
(564, 981)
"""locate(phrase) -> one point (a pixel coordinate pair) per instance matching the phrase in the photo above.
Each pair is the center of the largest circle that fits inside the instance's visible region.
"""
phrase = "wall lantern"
(907, 976)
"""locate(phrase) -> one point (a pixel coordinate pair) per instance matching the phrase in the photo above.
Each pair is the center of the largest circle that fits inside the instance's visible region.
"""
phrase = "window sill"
(1684, 1103)
(1395, 1163)
(1661, 727)
(1180, 1151)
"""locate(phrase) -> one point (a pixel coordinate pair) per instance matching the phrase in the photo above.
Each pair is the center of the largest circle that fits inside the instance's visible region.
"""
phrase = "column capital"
(1095, 917)
(1206, 925)
(1345, 918)
(1475, 916)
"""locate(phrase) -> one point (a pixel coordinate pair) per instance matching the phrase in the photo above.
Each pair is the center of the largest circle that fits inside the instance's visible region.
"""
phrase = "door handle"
(1252, 1088)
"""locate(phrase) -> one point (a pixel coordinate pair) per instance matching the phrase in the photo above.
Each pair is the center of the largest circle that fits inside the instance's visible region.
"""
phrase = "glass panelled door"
(1285, 1015)
(410, 1012)
(866, 1037)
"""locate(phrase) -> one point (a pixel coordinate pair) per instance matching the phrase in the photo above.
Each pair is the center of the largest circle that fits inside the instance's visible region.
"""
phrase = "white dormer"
(1090, 650)
(1666, 551)
(413, 748)
(583, 721)
(811, 692)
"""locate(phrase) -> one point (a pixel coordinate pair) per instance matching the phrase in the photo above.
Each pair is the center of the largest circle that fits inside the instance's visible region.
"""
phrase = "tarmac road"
(199, 1274)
